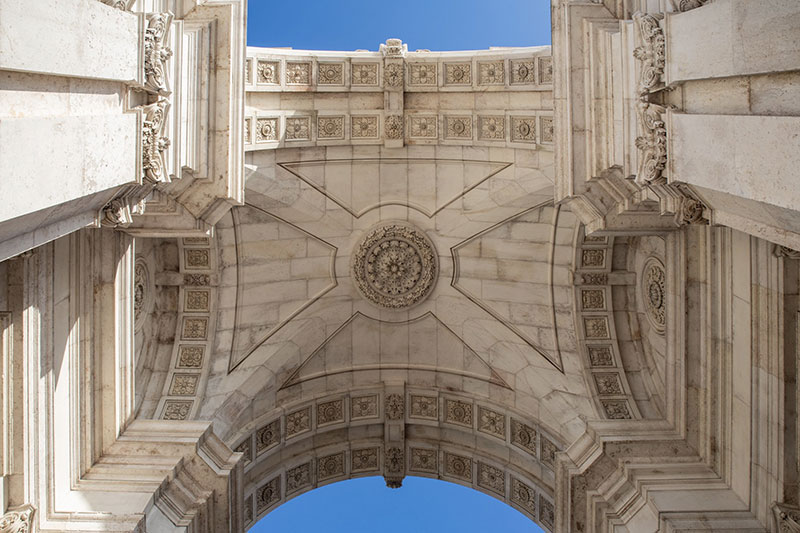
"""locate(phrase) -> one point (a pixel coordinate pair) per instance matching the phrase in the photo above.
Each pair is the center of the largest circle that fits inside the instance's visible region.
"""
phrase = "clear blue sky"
(431, 24)
(421, 505)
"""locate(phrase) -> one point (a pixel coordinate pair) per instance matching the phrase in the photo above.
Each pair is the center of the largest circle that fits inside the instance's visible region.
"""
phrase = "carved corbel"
(652, 144)
(19, 520)
(686, 5)
(119, 212)
(690, 211)
(155, 141)
(786, 252)
(787, 518)
(122, 5)
(651, 51)
(394, 48)
(156, 52)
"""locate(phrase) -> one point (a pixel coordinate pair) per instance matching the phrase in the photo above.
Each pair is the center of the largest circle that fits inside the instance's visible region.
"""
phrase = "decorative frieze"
(298, 422)
(298, 478)
(458, 412)
(458, 466)
(190, 356)
(184, 384)
(523, 129)
(424, 460)
(364, 127)
(458, 127)
(491, 422)
(330, 127)
(523, 436)
(330, 73)
(425, 407)
(491, 73)
(266, 130)
(364, 460)
(298, 128)
(330, 466)
(523, 495)
(423, 74)
(268, 494)
(156, 52)
(330, 412)
(155, 141)
(523, 71)
(458, 73)
(492, 128)
(268, 72)
(268, 436)
(176, 409)
(364, 74)
(364, 407)
(491, 478)
(298, 73)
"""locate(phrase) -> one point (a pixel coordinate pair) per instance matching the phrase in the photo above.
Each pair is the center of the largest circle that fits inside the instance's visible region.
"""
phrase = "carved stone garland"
(395, 266)
(652, 143)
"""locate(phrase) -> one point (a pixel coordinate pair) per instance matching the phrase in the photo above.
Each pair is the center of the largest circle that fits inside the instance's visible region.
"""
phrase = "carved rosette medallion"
(654, 294)
(395, 266)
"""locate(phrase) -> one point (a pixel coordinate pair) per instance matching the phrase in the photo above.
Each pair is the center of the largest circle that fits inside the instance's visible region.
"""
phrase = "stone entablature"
(512, 69)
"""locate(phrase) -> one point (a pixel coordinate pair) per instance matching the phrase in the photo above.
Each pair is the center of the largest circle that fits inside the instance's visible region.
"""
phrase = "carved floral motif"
(458, 412)
(686, 5)
(523, 71)
(393, 75)
(364, 460)
(176, 410)
(491, 478)
(364, 74)
(267, 72)
(155, 141)
(140, 287)
(156, 52)
(394, 266)
(523, 495)
(491, 73)
(364, 127)
(190, 356)
(298, 478)
(394, 406)
(394, 127)
(424, 460)
(330, 74)
(330, 466)
(491, 422)
(330, 412)
(298, 128)
(458, 73)
(616, 409)
(523, 129)
(266, 129)
(268, 436)
(458, 466)
(423, 127)
(523, 435)
(298, 422)
(395, 467)
(424, 407)
(364, 407)
(422, 73)
(600, 355)
(330, 127)
(298, 73)
(608, 383)
(183, 385)
(458, 127)
(268, 494)
(18, 520)
(492, 128)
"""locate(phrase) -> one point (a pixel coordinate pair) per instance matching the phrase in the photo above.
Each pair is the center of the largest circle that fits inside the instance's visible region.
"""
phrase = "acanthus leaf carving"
(686, 5)
(787, 518)
(652, 144)
(155, 141)
(18, 520)
(156, 52)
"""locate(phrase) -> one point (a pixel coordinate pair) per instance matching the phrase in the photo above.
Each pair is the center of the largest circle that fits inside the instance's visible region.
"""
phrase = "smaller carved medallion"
(267, 72)
(458, 127)
(330, 127)
(330, 466)
(364, 127)
(491, 478)
(298, 422)
(523, 71)
(268, 494)
(298, 128)
(183, 385)
(364, 407)
(596, 327)
(195, 328)
(266, 130)
(364, 74)
(492, 128)
(593, 299)
(458, 466)
(298, 73)
(268, 436)
(458, 73)
(424, 460)
(523, 129)
(365, 460)
(491, 73)
(393, 75)
(593, 258)
(423, 73)
(616, 409)
(523, 435)
(600, 355)
(330, 74)
(491, 422)
(298, 478)
(176, 410)
(523, 495)
(423, 127)
(608, 383)
(190, 356)
(330, 412)
(426, 407)
(196, 301)
(458, 412)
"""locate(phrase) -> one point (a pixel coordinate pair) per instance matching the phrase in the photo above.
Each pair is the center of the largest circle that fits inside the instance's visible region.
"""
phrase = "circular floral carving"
(654, 293)
(395, 266)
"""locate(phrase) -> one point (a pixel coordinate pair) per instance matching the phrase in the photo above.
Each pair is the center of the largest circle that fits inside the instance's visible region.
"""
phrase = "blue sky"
(421, 505)
(431, 24)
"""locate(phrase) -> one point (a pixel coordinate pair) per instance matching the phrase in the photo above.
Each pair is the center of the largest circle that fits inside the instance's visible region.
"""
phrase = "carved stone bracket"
(122, 5)
(652, 143)
(785, 252)
(18, 520)
(119, 212)
(155, 141)
(787, 519)
(394, 48)
(156, 52)
(686, 5)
